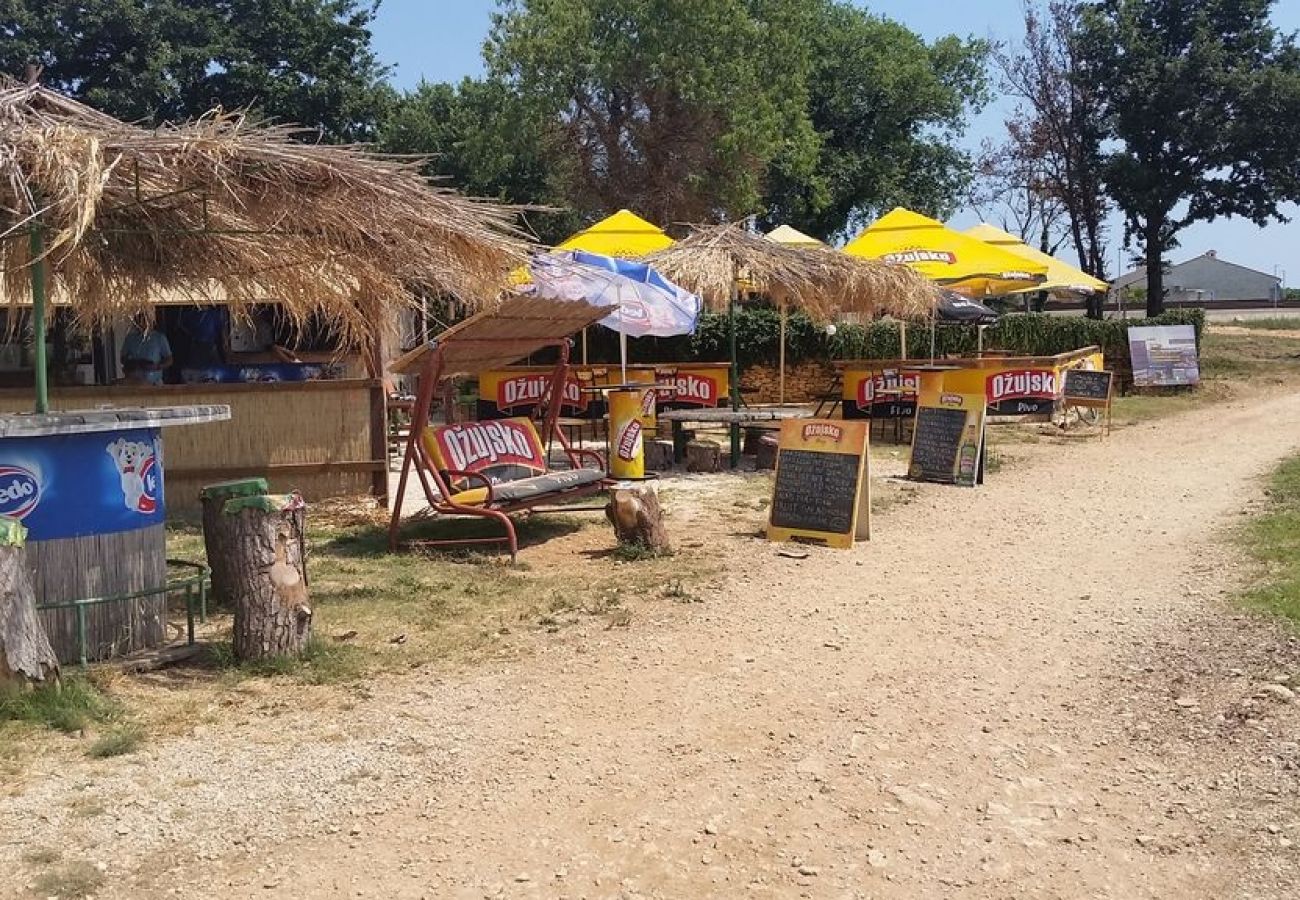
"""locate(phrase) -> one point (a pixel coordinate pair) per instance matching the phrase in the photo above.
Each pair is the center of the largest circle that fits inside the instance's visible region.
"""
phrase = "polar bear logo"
(136, 468)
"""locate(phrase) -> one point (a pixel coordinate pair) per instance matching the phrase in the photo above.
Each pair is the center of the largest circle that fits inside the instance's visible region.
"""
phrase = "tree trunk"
(269, 589)
(1155, 270)
(637, 516)
(219, 534)
(26, 657)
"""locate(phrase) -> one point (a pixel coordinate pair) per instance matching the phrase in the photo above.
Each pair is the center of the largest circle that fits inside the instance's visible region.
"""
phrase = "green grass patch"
(73, 705)
(323, 662)
(1274, 540)
(117, 741)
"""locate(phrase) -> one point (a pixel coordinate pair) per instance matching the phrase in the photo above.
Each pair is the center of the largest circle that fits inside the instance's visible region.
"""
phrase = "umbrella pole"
(979, 339)
(902, 339)
(780, 394)
(735, 372)
(38, 317)
(584, 346)
(622, 354)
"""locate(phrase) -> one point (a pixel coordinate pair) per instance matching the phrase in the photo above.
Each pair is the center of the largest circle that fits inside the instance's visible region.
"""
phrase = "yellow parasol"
(624, 234)
(1060, 276)
(947, 257)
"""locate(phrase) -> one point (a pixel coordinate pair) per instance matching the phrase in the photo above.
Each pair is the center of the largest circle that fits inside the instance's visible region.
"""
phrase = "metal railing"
(193, 587)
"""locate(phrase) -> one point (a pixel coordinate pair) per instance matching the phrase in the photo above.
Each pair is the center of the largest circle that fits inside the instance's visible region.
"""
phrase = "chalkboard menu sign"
(948, 440)
(821, 491)
(1087, 385)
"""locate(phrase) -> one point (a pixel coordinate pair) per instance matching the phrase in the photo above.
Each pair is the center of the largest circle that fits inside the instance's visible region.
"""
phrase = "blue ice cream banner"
(72, 485)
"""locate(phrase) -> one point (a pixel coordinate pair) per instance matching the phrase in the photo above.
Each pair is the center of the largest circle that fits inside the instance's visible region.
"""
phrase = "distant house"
(1207, 279)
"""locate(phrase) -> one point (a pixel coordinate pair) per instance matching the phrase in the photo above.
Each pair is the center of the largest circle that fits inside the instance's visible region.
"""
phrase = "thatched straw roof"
(224, 209)
(821, 282)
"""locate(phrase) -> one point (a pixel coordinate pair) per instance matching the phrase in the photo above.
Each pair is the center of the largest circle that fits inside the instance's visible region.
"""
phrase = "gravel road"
(1031, 689)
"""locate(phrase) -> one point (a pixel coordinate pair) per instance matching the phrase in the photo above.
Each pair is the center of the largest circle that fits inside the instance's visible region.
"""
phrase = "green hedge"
(758, 332)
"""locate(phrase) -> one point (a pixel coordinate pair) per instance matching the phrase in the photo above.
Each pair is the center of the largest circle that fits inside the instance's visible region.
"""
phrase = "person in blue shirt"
(205, 329)
(146, 352)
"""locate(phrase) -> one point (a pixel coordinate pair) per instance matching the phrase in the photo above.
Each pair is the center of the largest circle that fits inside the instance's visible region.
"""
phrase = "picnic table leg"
(735, 444)
(679, 442)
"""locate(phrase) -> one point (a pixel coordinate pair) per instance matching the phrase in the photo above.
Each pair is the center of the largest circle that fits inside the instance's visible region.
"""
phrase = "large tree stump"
(269, 576)
(637, 516)
(219, 532)
(703, 456)
(658, 455)
(26, 657)
(765, 451)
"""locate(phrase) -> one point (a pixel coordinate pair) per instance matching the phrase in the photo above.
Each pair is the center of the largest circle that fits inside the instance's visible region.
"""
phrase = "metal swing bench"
(494, 468)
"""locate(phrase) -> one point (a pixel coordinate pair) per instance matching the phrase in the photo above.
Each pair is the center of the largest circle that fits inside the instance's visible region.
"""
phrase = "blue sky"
(440, 40)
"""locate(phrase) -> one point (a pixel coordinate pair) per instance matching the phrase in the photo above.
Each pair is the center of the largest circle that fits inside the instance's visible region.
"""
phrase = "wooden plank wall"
(315, 437)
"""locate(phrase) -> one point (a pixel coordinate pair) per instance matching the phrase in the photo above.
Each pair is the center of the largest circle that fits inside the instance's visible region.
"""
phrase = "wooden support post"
(26, 657)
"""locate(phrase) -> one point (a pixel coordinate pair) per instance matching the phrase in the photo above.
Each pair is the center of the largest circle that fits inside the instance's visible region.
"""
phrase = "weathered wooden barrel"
(88, 485)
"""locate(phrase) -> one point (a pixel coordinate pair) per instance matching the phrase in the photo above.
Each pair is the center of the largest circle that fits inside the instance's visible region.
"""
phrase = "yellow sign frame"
(829, 436)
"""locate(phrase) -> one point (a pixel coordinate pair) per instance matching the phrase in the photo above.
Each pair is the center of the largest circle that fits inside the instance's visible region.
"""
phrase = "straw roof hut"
(226, 210)
(821, 282)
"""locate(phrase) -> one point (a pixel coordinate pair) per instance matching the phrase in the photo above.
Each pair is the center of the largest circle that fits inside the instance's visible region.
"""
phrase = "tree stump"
(269, 576)
(658, 455)
(752, 438)
(219, 532)
(703, 456)
(637, 516)
(26, 657)
(765, 452)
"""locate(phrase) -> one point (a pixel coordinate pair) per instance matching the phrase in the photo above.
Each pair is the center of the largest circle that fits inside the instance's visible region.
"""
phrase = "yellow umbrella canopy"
(793, 237)
(947, 257)
(624, 234)
(1060, 276)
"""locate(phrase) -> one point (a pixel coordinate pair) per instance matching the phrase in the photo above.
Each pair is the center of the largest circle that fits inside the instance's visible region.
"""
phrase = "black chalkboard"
(936, 443)
(1087, 384)
(815, 491)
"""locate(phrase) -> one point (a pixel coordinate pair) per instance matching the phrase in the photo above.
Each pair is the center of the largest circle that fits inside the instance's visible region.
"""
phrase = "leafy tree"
(303, 61)
(482, 139)
(673, 107)
(1202, 98)
(886, 107)
(1055, 136)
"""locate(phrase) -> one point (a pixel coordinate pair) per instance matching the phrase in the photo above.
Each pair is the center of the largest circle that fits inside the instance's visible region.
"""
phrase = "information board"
(1084, 386)
(948, 440)
(821, 491)
(1163, 355)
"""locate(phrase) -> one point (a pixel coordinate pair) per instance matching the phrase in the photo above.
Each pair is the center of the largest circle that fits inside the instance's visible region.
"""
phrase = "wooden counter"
(323, 438)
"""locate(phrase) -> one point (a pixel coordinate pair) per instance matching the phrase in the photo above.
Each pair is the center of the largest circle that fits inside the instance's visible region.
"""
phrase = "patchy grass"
(377, 611)
(1267, 323)
(69, 881)
(74, 705)
(117, 741)
(1273, 539)
(325, 661)
(1231, 364)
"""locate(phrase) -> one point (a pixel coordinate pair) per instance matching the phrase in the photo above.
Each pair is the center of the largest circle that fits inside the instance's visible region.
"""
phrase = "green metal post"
(38, 317)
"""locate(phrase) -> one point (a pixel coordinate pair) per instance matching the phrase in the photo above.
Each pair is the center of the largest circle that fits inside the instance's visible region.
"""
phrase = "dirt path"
(1029, 690)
